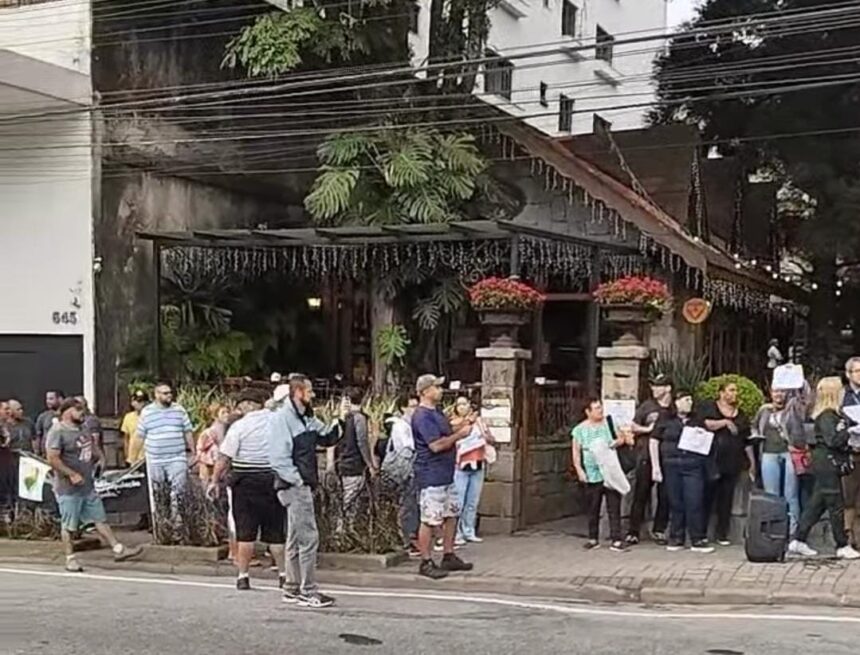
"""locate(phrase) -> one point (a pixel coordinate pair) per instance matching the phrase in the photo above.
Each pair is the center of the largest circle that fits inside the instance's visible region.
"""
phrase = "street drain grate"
(359, 640)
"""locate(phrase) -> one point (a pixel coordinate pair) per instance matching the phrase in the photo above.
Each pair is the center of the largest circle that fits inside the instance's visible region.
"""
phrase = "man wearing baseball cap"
(648, 420)
(435, 461)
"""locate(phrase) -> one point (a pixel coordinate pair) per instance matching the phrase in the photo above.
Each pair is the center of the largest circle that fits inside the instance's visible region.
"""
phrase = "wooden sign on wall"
(696, 311)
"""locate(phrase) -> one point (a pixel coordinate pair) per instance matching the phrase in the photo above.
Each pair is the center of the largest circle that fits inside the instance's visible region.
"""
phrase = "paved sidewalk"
(551, 562)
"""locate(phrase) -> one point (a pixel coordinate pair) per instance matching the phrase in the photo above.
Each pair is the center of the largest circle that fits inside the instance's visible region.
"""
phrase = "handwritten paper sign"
(696, 440)
(788, 376)
(621, 411)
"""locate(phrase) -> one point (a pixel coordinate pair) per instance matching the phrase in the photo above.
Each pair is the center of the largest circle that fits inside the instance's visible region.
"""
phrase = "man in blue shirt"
(435, 460)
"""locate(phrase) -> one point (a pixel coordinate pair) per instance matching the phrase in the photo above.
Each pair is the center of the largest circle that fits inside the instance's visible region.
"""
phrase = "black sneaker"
(632, 540)
(429, 569)
(659, 538)
(243, 584)
(290, 595)
(315, 600)
(451, 562)
(282, 581)
(618, 547)
(591, 544)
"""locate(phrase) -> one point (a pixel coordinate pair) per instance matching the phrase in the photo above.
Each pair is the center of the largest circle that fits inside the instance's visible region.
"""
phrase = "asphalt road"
(45, 611)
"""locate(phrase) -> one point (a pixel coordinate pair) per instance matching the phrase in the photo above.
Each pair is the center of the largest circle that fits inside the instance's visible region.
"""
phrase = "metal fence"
(555, 409)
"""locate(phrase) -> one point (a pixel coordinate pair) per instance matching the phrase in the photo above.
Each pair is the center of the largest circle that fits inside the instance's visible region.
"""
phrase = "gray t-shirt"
(76, 452)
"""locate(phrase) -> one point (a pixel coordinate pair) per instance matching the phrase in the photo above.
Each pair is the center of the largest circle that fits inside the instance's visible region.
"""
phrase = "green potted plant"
(504, 305)
(750, 397)
(632, 303)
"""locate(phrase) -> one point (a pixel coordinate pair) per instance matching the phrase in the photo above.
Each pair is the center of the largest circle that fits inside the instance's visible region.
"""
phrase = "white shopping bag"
(696, 440)
(610, 468)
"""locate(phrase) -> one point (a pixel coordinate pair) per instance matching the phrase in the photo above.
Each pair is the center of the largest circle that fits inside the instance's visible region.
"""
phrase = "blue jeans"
(469, 484)
(778, 478)
(685, 476)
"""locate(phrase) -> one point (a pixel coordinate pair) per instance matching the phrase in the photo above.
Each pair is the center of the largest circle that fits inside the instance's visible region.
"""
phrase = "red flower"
(635, 290)
(504, 294)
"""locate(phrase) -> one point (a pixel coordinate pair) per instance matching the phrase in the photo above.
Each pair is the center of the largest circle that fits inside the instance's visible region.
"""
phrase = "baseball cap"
(428, 380)
(660, 380)
(276, 378)
(281, 392)
(140, 394)
(250, 394)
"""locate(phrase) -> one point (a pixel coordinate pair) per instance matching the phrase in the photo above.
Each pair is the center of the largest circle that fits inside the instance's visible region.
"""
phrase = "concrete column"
(503, 372)
(624, 372)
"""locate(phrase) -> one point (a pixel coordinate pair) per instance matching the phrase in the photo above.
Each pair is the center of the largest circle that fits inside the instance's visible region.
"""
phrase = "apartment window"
(543, 90)
(605, 45)
(565, 114)
(414, 12)
(568, 18)
(498, 75)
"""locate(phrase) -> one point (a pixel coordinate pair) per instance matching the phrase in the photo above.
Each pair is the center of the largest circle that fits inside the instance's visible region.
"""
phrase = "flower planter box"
(503, 326)
(632, 319)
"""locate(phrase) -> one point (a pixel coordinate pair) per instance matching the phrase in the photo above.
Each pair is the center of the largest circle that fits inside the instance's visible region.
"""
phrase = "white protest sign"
(621, 411)
(696, 440)
(32, 475)
(788, 376)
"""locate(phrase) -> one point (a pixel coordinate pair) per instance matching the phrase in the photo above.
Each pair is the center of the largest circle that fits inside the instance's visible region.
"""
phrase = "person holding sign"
(647, 417)
(779, 423)
(731, 430)
(588, 437)
(685, 475)
(831, 461)
(851, 411)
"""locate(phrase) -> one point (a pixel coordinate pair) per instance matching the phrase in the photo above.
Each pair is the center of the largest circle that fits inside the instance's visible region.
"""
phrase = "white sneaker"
(72, 565)
(847, 552)
(803, 550)
(459, 541)
(474, 540)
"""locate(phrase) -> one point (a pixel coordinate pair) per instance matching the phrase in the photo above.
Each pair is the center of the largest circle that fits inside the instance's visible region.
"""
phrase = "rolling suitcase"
(766, 534)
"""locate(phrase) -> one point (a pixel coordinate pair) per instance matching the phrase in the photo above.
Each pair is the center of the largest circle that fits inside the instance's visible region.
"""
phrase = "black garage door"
(30, 365)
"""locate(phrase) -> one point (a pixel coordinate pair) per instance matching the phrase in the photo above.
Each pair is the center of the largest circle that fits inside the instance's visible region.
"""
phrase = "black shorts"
(256, 510)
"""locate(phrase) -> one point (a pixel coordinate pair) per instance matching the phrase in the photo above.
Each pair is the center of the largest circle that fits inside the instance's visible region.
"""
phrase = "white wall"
(57, 32)
(571, 74)
(46, 263)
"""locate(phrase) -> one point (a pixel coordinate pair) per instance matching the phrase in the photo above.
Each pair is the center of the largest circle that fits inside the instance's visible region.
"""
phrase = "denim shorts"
(77, 511)
(438, 504)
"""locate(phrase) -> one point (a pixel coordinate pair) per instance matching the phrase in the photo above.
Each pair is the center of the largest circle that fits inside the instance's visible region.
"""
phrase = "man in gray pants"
(294, 436)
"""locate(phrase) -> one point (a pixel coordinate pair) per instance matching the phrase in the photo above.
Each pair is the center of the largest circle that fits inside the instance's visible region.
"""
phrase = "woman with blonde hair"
(831, 461)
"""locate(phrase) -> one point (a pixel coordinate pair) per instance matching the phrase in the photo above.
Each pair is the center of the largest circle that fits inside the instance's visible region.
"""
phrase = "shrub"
(370, 525)
(686, 370)
(35, 524)
(192, 519)
(750, 397)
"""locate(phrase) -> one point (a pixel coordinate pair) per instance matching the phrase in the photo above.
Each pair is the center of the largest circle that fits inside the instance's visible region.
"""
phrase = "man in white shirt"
(400, 451)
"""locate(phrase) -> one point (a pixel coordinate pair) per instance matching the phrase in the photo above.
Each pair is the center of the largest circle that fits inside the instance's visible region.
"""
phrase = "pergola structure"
(471, 248)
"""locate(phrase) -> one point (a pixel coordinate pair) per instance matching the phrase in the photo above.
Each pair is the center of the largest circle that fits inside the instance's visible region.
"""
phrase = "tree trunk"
(382, 314)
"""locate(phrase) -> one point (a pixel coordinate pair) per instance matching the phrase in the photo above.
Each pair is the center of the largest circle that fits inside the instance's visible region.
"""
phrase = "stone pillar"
(624, 372)
(502, 376)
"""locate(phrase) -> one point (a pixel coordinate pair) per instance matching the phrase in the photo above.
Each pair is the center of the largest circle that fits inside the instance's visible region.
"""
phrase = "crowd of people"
(814, 471)
(262, 453)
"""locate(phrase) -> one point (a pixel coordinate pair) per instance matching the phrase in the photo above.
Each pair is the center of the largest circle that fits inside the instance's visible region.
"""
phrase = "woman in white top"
(401, 447)
(471, 468)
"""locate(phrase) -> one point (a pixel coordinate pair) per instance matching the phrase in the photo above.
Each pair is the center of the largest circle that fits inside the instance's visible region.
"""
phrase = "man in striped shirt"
(168, 440)
(256, 509)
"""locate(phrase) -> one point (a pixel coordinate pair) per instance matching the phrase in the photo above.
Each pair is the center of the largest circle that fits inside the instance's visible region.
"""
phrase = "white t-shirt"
(401, 435)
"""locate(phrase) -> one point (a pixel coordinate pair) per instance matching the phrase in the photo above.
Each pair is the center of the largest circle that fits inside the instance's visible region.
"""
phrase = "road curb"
(647, 594)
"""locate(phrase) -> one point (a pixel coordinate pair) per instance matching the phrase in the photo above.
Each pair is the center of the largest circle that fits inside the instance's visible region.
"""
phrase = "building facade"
(561, 62)
(46, 199)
